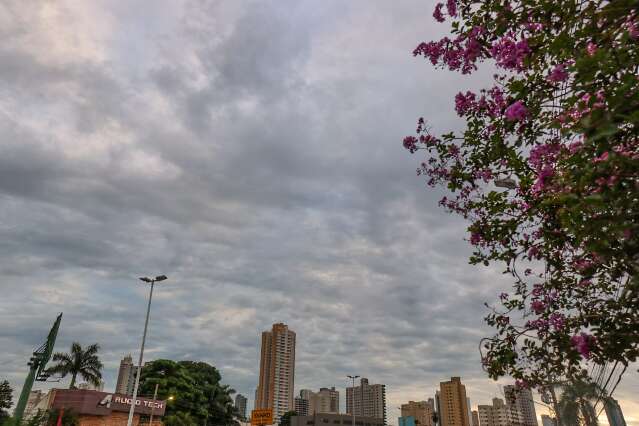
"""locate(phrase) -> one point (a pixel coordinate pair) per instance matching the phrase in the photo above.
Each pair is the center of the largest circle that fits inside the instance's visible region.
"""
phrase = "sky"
(251, 151)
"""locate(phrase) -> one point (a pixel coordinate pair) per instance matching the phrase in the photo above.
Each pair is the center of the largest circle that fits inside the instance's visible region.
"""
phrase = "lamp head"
(145, 279)
(160, 278)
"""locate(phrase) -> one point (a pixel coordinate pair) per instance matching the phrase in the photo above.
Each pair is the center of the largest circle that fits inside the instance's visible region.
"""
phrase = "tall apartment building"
(126, 376)
(453, 403)
(613, 412)
(498, 414)
(475, 418)
(422, 411)
(240, 405)
(367, 400)
(521, 400)
(325, 401)
(277, 371)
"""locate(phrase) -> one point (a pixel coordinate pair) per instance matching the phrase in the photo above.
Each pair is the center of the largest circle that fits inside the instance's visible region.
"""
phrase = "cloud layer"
(250, 151)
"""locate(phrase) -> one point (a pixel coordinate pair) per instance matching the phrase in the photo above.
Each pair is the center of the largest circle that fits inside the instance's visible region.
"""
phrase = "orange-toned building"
(106, 409)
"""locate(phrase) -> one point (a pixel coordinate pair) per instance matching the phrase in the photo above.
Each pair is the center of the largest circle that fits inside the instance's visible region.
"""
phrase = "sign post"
(262, 417)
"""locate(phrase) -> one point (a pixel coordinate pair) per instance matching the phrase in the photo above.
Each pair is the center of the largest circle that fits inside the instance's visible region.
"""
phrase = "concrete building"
(546, 420)
(367, 400)
(277, 371)
(326, 419)
(126, 376)
(453, 403)
(475, 418)
(37, 401)
(498, 414)
(89, 386)
(301, 406)
(521, 400)
(240, 405)
(421, 411)
(613, 412)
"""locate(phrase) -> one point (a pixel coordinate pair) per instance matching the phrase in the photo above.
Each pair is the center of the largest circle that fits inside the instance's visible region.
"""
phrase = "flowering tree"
(547, 173)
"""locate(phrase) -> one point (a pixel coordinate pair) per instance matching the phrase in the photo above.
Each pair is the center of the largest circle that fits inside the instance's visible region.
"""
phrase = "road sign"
(261, 417)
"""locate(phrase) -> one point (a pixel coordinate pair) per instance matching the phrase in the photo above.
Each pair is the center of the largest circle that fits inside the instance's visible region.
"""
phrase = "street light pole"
(146, 325)
(353, 396)
(155, 395)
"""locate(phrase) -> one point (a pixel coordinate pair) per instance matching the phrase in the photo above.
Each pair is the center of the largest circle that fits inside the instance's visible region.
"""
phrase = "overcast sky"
(251, 151)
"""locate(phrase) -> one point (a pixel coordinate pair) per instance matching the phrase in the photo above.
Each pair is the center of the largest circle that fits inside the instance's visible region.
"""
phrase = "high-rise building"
(126, 376)
(453, 403)
(475, 418)
(91, 386)
(438, 407)
(240, 405)
(498, 414)
(613, 412)
(521, 400)
(301, 406)
(422, 411)
(277, 371)
(367, 400)
(546, 420)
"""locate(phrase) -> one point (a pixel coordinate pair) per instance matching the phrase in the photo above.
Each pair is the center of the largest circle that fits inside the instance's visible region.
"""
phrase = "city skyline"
(253, 153)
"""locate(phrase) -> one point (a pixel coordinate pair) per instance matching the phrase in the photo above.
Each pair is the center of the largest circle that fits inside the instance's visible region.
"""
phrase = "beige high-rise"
(422, 411)
(126, 376)
(277, 371)
(453, 403)
(522, 401)
(367, 400)
(498, 414)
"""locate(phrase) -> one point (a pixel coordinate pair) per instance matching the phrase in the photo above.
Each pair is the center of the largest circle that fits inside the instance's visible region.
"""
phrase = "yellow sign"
(261, 417)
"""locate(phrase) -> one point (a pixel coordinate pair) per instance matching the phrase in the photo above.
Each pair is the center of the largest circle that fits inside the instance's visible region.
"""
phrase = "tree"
(50, 418)
(79, 362)
(547, 173)
(285, 420)
(199, 395)
(6, 400)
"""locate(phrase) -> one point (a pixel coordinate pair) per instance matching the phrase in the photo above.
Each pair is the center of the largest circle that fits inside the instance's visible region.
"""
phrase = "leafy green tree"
(6, 400)
(198, 395)
(285, 420)
(79, 362)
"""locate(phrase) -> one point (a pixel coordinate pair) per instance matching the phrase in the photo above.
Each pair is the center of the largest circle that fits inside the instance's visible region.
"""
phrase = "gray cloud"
(250, 151)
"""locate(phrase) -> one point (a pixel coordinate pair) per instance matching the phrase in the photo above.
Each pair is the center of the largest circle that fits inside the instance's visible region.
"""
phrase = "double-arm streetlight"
(152, 281)
(353, 396)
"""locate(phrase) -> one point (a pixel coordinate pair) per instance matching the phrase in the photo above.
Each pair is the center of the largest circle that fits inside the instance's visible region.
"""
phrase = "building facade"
(546, 420)
(126, 376)
(277, 371)
(421, 411)
(613, 412)
(475, 418)
(326, 419)
(367, 400)
(498, 414)
(405, 421)
(453, 403)
(521, 400)
(240, 406)
(301, 406)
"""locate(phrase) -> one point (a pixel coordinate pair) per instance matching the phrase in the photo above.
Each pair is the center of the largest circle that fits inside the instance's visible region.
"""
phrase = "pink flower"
(557, 321)
(558, 74)
(601, 158)
(464, 103)
(437, 13)
(510, 54)
(631, 26)
(516, 111)
(538, 306)
(591, 48)
(475, 238)
(451, 6)
(583, 343)
(522, 384)
(503, 296)
(410, 143)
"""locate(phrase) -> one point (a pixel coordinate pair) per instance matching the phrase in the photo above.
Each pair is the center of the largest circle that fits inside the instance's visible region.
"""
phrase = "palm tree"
(576, 403)
(83, 362)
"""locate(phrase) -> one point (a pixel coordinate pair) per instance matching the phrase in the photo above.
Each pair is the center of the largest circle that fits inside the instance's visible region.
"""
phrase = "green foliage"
(6, 399)
(198, 395)
(285, 420)
(83, 362)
